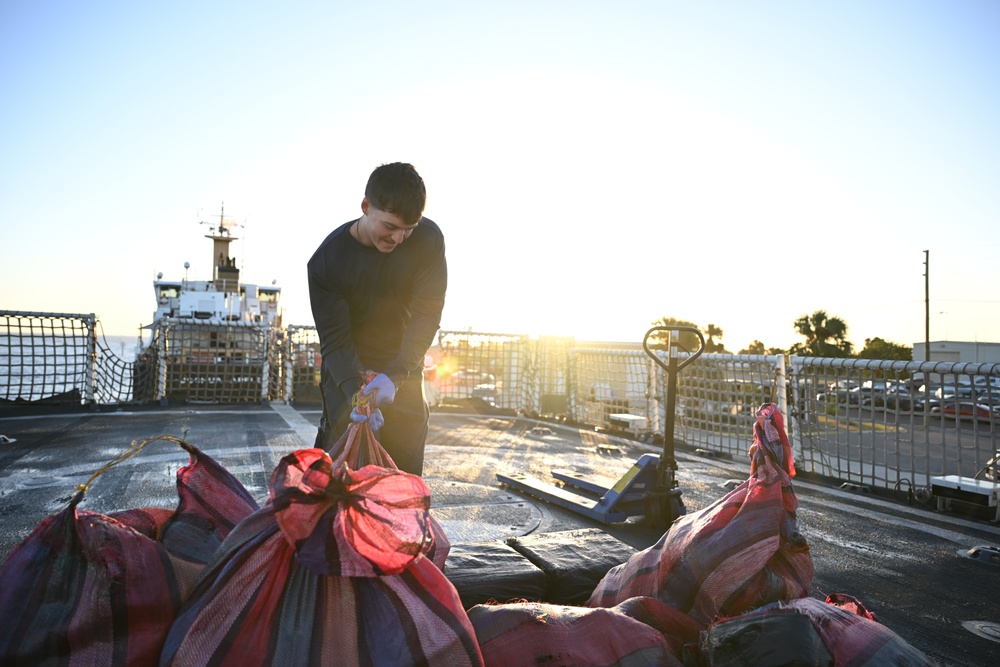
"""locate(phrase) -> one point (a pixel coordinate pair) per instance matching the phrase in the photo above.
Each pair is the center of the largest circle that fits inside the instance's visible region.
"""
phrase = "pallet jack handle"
(672, 367)
(678, 328)
(664, 500)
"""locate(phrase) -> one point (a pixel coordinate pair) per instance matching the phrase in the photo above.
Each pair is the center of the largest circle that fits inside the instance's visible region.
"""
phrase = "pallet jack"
(649, 488)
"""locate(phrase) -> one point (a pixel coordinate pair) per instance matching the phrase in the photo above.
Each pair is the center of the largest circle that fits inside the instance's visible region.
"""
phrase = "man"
(377, 286)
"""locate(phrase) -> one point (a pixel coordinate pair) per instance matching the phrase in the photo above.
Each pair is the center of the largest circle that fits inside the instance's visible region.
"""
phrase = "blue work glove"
(386, 390)
(357, 417)
(375, 420)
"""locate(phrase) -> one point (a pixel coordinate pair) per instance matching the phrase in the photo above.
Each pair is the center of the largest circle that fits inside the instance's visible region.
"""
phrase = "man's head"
(398, 189)
(392, 207)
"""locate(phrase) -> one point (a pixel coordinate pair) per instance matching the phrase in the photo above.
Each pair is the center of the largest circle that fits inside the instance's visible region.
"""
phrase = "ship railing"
(872, 423)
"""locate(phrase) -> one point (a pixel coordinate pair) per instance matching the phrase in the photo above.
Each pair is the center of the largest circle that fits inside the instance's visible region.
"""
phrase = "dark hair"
(398, 189)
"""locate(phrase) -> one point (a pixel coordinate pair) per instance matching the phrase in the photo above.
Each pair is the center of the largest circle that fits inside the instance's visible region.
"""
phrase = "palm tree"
(756, 347)
(687, 340)
(818, 329)
(712, 332)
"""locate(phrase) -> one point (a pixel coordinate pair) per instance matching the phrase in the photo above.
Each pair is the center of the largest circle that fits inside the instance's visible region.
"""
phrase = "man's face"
(381, 229)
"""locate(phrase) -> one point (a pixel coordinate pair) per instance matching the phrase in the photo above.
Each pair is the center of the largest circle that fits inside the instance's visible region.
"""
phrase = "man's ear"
(364, 205)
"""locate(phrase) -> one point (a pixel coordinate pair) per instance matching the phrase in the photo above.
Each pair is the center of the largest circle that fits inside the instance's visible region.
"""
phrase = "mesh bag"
(330, 572)
(640, 631)
(781, 637)
(739, 553)
(211, 501)
(358, 447)
(807, 631)
(147, 520)
(95, 589)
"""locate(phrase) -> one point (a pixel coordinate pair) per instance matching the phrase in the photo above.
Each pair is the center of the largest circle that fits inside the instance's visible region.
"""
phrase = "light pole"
(927, 305)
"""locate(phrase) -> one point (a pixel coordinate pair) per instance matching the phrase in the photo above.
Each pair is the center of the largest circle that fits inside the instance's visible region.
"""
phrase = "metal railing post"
(160, 334)
(90, 387)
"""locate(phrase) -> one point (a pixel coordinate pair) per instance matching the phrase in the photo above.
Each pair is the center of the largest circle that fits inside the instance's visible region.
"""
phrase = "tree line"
(823, 336)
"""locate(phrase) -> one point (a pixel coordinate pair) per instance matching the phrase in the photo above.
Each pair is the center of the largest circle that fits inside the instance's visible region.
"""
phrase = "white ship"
(223, 298)
(213, 340)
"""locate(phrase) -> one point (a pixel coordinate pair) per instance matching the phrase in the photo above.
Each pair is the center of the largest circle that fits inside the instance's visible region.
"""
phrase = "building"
(959, 352)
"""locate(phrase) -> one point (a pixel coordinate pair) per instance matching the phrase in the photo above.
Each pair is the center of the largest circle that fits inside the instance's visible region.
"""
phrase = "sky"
(595, 166)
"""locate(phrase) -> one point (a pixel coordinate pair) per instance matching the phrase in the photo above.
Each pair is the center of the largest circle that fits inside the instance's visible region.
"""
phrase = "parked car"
(965, 410)
(986, 381)
(852, 393)
(954, 391)
(935, 395)
(869, 392)
(837, 392)
(896, 397)
(988, 395)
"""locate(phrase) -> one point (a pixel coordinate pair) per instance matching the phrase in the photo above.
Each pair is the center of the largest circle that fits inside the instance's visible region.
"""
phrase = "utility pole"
(927, 305)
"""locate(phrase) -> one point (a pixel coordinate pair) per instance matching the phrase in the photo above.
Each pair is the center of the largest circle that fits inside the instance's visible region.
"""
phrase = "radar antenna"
(225, 225)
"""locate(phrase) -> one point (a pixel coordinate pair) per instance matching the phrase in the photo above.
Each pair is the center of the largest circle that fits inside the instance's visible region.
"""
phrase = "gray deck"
(904, 562)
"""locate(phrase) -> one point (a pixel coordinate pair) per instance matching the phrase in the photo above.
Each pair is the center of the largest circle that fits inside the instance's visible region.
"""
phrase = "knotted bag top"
(342, 522)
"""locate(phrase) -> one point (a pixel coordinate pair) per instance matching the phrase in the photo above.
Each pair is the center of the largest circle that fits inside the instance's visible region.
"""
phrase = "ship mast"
(226, 275)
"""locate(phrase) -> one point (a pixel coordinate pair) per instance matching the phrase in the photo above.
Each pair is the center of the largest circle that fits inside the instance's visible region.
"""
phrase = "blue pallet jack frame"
(649, 488)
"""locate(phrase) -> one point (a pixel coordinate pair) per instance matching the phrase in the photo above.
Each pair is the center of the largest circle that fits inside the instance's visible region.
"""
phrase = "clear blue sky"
(595, 166)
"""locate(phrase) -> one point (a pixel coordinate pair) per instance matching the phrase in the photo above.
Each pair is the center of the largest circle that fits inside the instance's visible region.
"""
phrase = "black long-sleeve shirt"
(375, 310)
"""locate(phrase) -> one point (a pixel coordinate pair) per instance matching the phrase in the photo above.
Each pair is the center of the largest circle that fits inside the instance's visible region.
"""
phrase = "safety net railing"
(302, 362)
(548, 378)
(483, 371)
(476, 369)
(276, 381)
(886, 424)
(718, 396)
(608, 384)
(232, 362)
(714, 408)
(62, 359)
(895, 424)
(47, 358)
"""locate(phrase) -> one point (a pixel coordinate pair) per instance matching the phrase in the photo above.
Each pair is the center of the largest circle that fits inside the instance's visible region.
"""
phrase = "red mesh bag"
(94, 589)
(853, 635)
(851, 604)
(639, 631)
(358, 448)
(330, 572)
(741, 552)
(839, 631)
(211, 501)
(147, 520)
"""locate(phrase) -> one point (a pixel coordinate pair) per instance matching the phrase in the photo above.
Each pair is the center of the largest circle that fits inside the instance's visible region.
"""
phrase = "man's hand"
(350, 387)
(375, 420)
(384, 388)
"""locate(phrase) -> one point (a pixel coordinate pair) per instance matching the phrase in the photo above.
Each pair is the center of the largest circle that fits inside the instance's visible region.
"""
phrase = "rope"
(359, 400)
(130, 452)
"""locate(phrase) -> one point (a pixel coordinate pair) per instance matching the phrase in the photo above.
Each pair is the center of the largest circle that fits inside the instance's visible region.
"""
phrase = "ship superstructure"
(223, 298)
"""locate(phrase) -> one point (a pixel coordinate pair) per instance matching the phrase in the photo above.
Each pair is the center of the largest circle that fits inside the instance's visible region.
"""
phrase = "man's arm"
(333, 324)
(426, 304)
